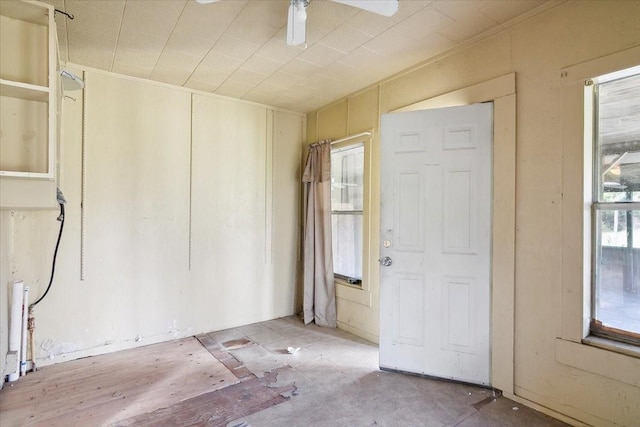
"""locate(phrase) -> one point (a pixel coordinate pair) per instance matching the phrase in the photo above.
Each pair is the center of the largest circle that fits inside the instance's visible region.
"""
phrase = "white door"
(436, 242)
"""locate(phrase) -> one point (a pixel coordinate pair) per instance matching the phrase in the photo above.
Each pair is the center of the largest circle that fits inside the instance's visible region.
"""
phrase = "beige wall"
(155, 268)
(548, 373)
(182, 218)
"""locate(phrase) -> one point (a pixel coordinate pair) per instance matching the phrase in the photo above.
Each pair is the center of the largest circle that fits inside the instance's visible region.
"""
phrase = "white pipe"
(23, 348)
(16, 315)
(15, 326)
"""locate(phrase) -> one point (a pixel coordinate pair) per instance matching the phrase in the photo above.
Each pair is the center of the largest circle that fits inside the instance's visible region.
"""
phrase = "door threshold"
(433, 377)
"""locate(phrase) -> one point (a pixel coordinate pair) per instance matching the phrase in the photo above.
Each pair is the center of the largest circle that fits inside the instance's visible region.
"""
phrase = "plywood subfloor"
(105, 389)
(217, 408)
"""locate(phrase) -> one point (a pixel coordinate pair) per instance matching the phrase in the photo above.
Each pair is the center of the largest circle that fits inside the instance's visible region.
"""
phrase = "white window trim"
(577, 257)
(597, 205)
(360, 294)
(337, 148)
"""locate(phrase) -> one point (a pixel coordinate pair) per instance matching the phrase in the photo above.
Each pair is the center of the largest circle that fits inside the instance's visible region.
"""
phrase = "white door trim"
(502, 91)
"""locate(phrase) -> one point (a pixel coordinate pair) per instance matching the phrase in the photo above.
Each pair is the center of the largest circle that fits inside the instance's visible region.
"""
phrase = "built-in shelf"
(17, 174)
(24, 91)
(25, 10)
(29, 81)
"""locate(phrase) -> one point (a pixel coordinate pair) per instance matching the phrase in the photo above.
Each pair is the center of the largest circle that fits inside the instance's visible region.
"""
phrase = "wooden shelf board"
(25, 11)
(24, 90)
(17, 174)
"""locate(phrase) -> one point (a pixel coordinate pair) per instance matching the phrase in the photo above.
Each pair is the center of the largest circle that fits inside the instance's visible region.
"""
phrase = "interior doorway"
(435, 273)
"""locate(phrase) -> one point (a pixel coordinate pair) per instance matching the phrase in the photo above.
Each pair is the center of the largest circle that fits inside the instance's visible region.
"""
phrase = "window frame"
(595, 327)
(574, 347)
(341, 147)
(360, 293)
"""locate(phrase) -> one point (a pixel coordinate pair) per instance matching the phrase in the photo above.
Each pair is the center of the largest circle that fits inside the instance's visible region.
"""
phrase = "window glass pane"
(617, 292)
(347, 244)
(347, 187)
(618, 139)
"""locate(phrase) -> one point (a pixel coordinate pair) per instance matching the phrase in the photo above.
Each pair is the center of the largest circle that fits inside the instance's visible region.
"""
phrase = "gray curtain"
(319, 301)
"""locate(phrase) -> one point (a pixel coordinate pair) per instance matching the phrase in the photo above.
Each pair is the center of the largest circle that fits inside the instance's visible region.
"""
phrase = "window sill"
(616, 361)
(612, 345)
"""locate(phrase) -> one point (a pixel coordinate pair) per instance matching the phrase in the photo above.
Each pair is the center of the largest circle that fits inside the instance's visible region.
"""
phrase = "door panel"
(409, 326)
(458, 209)
(409, 142)
(457, 318)
(459, 137)
(409, 216)
(436, 228)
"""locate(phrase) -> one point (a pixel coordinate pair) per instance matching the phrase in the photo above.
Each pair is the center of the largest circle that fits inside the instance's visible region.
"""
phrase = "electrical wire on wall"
(31, 323)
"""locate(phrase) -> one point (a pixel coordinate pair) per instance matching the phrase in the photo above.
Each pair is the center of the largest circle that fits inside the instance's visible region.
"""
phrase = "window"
(347, 203)
(615, 308)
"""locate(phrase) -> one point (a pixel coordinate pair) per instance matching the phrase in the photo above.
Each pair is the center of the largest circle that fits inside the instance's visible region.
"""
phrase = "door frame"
(502, 92)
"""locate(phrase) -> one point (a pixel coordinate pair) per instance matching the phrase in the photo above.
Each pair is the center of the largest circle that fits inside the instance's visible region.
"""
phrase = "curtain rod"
(358, 135)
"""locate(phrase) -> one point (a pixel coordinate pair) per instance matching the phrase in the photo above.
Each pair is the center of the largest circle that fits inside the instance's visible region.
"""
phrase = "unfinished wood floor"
(172, 383)
(247, 377)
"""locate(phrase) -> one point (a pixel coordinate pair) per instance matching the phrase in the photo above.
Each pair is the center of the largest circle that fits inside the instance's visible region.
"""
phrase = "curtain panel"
(319, 301)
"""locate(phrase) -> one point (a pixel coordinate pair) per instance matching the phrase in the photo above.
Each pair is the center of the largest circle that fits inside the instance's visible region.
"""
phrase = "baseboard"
(358, 332)
(545, 410)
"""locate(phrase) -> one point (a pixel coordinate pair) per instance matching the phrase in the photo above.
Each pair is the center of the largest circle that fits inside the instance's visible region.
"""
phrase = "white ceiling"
(238, 48)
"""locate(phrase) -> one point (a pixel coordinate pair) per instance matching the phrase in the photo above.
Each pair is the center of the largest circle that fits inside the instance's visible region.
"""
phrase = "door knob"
(386, 261)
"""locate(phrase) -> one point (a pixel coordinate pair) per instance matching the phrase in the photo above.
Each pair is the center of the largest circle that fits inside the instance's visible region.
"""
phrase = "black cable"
(64, 13)
(55, 255)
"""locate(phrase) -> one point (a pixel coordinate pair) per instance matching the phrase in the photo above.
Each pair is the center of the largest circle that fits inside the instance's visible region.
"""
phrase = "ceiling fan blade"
(296, 27)
(381, 7)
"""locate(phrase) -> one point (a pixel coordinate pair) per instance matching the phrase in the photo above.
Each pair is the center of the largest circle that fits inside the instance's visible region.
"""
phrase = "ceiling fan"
(297, 17)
